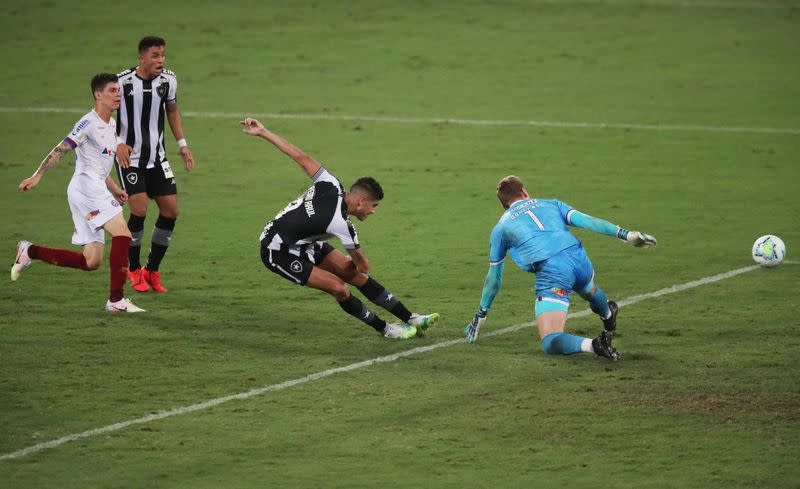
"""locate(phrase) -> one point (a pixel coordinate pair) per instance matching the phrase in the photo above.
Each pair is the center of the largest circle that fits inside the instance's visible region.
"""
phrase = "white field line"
(673, 3)
(353, 366)
(441, 120)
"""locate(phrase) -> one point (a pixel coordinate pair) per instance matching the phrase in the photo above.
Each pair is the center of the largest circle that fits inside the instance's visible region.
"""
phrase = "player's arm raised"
(176, 124)
(49, 161)
(307, 163)
(636, 238)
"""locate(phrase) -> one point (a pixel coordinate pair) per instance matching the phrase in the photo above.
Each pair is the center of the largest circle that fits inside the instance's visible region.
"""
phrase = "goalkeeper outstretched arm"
(600, 226)
(491, 287)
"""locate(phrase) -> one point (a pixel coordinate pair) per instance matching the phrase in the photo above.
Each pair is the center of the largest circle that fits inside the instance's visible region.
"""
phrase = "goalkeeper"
(534, 232)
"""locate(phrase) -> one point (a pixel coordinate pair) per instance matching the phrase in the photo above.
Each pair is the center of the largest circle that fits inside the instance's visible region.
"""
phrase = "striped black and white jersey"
(141, 114)
(319, 214)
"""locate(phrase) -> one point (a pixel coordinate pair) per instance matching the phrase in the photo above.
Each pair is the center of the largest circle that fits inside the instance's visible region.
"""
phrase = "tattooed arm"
(49, 161)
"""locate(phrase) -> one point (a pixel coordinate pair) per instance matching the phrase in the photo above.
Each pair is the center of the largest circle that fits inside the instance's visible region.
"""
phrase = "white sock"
(586, 346)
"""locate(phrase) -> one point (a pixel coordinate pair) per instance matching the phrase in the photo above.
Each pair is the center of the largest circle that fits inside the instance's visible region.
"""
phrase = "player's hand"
(119, 194)
(188, 159)
(473, 329)
(641, 240)
(253, 127)
(124, 155)
(30, 182)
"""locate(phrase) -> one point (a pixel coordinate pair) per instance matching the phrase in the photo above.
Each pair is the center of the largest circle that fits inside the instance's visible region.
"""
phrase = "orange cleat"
(138, 282)
(154, 279)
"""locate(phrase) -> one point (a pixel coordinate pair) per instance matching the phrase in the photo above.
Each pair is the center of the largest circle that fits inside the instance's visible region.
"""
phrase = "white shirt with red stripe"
(94, 141)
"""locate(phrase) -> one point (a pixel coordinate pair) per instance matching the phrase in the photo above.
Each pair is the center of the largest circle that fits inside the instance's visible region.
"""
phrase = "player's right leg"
(118, 265)
(134, 183)
(343, 267)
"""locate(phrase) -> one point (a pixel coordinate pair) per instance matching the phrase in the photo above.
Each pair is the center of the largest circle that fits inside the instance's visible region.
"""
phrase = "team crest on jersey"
(559, 291)
(162, 90)
(296, 266)
(132, 178)
(92, 215)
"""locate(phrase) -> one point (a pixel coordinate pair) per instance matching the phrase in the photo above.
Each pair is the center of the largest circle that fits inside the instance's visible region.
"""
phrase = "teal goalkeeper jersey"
(531, 231)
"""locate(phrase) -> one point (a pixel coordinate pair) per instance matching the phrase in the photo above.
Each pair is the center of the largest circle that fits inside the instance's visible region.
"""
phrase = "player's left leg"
(343, 267)
(162, 235)
(586, 288)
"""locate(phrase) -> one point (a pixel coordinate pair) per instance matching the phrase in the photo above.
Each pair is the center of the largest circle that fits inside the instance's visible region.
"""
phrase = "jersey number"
(535, 219)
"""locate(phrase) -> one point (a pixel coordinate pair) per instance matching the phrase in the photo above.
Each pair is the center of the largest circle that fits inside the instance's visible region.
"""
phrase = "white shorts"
(92, 206)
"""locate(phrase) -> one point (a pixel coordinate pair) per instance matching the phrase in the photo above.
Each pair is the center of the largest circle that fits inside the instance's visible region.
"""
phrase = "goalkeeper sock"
(378, 294)
(357, 309)
(599, 304)
(565, 344)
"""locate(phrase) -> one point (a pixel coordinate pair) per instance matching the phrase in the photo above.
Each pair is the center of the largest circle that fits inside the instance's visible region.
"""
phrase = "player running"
(534, 232)
(94, 199)
(293, 242)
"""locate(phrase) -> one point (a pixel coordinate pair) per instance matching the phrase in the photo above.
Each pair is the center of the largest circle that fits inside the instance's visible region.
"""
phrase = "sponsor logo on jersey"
(92, 215)
(80, 126)
(559, 291)
(296, 266)
(132, 178)
(108, 152)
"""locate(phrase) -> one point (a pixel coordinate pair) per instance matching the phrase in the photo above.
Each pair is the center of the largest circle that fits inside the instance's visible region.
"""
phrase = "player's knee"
(548, 344)
(93, 262)
(340, 291)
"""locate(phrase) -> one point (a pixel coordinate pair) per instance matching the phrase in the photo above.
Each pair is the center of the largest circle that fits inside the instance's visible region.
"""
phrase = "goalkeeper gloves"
(472, 330)
(637, 238)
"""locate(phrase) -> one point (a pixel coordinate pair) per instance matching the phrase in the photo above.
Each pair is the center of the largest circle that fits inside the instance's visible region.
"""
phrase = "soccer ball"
(769, 250)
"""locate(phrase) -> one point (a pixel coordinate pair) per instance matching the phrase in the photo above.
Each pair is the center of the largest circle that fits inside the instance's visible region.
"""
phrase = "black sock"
(162, 233)
(378, 294)
(136, 227)
(357, 309)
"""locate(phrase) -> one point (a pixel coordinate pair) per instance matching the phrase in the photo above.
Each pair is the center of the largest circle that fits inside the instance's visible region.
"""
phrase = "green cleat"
(399, 331)
(423, 322)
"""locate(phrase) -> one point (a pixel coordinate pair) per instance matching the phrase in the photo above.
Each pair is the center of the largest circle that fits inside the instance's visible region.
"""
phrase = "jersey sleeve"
(497, 246)
(172, 93)
(566, 211)
(80, 133)
(344, 230)
(323, 175)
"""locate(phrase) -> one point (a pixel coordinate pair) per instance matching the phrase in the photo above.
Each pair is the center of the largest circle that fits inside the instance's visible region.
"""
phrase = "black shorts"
(155, 181)
(294, 264)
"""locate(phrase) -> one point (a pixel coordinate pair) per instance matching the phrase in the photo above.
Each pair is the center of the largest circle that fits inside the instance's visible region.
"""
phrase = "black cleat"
(602, 346)
(610, 324)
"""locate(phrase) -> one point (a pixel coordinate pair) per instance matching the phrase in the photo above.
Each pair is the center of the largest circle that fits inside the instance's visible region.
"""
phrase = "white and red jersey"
(94, 141)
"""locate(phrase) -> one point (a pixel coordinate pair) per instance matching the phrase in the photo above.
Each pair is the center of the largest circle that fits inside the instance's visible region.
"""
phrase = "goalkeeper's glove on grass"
(472, 330)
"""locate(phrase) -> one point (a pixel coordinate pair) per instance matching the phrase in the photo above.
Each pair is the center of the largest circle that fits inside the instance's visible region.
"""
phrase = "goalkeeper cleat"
(137, 281)
(602, 346)
(22, 260)
(154, 279)
(122, 305)
(610, 324)
(423, 322)
(399, 331)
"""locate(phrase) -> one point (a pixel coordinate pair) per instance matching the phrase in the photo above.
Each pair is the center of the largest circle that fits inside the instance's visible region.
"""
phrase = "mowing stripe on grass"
(443, 120)
(353, 366)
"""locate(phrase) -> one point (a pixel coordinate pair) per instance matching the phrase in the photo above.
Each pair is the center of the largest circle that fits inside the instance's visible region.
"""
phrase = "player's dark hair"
(100, 80)
(368, 186)
(509, 189)
(148, 42)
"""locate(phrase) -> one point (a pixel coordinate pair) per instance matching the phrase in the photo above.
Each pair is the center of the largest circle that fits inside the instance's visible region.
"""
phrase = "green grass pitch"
(707, 391)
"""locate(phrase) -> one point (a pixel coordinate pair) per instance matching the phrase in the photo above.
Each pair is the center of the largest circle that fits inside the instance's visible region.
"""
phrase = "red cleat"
(154, 279)
(137, 280)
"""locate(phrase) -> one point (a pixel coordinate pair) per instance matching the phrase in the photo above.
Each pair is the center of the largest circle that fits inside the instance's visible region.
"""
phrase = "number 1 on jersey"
(535, 219)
